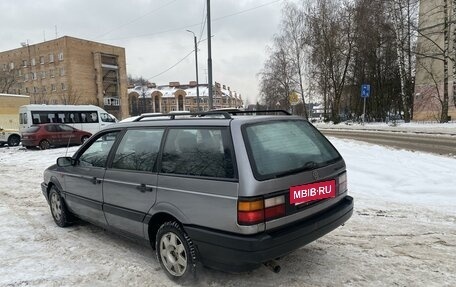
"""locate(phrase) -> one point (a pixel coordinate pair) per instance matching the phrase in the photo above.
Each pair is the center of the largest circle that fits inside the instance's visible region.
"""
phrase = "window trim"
(226, 138)
(252, 163)
(89, 143)
(116, 147)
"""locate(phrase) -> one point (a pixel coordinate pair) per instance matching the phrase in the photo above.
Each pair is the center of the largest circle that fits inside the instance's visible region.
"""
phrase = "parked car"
(10, 137)
(46, 135)
(229, 192)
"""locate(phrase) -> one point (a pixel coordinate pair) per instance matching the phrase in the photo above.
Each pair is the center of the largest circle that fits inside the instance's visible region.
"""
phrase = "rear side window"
(198, 152)
(279, 148)
(31, 129)
(138, 150)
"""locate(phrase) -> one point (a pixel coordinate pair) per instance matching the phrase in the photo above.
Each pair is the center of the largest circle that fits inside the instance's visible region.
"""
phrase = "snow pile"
(413, 127)
(403, 231)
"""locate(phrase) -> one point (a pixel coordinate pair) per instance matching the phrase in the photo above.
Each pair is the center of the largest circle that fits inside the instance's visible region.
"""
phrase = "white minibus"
(84, 117)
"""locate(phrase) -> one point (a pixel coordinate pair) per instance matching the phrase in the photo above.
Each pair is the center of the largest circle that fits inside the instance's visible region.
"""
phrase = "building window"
(19, 73)
(44, 89)
(26, 77)
(33, 75)
(24, 63)
(11, 65)
(53, 87)
(111, 102)
(33, 62)
(4, 67)
(43, 74)
(61, 56)
(62, 71)
(51, 73)
(41, 60)
(26, 90)
(51, 58)
(35, 90)
(63, 86)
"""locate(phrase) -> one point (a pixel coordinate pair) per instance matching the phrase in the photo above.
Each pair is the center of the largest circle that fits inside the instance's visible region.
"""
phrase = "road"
(437, 144)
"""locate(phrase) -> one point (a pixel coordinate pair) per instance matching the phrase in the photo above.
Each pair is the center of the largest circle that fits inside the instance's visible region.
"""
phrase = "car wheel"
(44, 144)
(58, 208)
(175, 252)
(14, 140)
(84, 138)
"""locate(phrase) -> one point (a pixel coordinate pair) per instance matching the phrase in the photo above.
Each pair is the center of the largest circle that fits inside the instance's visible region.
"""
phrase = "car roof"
(202, 121)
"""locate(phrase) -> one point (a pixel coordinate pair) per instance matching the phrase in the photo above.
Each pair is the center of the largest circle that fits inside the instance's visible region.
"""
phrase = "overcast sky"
(153, 33)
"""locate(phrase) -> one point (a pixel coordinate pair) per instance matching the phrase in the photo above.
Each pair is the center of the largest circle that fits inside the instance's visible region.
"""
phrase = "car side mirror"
(64, 161)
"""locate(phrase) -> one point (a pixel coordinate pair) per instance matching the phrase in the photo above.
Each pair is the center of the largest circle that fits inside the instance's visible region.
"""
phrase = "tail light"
(343, 183)
(259, 210)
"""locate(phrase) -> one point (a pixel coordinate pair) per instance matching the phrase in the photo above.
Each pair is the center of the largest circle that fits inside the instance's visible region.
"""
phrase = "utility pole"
(209, 54)
(196, 67)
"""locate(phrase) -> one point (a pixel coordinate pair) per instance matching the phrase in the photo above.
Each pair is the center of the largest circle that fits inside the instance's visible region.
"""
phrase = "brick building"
(180, 97)
(68, 70)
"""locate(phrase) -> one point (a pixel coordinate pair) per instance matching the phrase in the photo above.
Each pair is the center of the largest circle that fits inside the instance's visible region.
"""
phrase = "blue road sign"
(365, 91)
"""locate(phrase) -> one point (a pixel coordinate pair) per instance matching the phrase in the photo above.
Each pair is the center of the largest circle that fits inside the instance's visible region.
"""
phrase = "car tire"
(14, 140)
(84, 138)
(176, 253)
(58, 208)
(44, 144)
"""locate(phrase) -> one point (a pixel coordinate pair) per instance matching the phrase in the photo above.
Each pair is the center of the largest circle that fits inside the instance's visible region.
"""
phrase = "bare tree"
(277, 78)
(332, 44)
(70, 98)
(294, 30)
(403, 14)
(7, 81)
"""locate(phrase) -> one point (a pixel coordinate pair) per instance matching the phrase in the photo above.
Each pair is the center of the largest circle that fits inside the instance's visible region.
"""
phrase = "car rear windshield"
(279, 148)
(31, 129)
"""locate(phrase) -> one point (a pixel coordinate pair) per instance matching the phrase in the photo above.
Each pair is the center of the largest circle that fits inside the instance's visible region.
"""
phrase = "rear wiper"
(310, 164)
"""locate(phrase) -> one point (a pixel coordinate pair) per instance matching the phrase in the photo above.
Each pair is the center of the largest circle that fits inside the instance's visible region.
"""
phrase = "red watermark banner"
(313, 191)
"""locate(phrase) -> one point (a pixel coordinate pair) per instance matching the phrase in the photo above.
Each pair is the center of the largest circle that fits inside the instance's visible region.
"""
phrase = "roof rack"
(260, 112)
(225, 113)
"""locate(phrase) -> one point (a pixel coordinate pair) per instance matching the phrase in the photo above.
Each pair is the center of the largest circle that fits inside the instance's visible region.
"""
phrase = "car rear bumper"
(26, 142)
(239, 253)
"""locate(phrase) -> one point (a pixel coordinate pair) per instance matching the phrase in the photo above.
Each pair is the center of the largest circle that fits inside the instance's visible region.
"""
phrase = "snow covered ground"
(412, 127)
(402, 233)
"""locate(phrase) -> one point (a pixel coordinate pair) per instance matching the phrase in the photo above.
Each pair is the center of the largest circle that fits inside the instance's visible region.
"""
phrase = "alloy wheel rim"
(55, 206)
(44, 145)
(173, 254)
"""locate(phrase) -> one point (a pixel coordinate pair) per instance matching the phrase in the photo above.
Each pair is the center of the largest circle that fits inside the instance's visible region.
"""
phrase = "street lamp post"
(196, 68)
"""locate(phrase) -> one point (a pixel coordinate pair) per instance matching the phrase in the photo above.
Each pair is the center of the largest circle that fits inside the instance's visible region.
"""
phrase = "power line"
(203, 25)
(200, 23)
(136, 19)
(161, 73)
(246, 10)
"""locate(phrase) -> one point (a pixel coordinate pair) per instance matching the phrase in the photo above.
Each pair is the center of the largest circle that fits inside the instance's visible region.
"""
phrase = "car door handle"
(143, 188)
(95, 180)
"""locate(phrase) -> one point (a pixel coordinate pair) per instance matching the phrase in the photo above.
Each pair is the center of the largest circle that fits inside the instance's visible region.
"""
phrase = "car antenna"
(68, 145)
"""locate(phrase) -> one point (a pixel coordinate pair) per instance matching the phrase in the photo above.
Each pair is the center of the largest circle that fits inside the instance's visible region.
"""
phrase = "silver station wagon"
(230, 191)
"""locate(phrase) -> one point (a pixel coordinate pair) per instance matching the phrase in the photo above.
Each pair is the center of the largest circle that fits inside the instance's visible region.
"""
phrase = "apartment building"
(69, 70)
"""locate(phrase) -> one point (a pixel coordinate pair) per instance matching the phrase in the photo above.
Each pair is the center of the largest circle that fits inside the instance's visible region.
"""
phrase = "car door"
(129, 186)
(67, 135)
(52, 134)
(83, 181)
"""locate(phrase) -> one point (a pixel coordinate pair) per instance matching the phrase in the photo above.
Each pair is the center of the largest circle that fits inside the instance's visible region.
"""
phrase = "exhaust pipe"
(273, 266)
